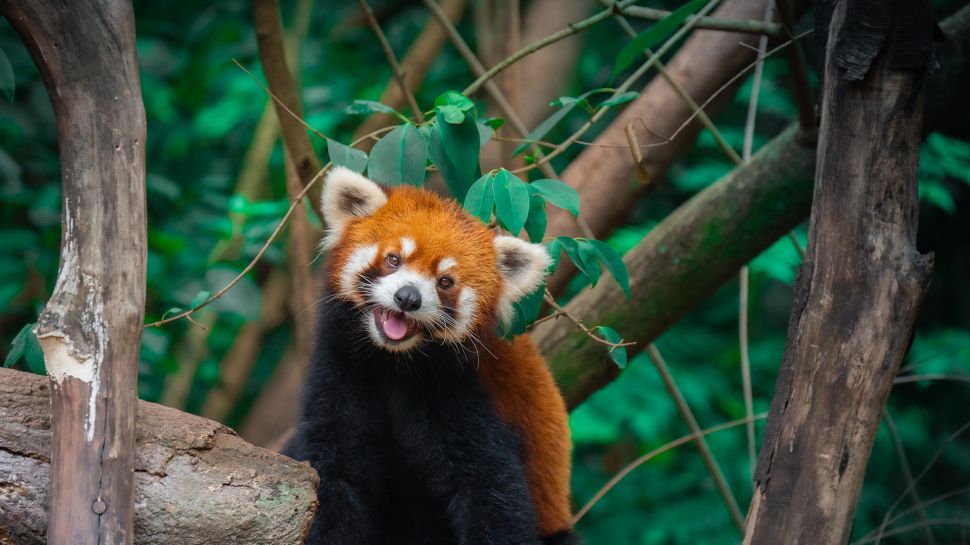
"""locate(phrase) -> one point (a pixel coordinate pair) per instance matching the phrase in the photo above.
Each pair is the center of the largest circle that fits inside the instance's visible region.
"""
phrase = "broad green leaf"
(511, 201)
(535, 225)
(582, 256)
(480, 198)
(494, 122)
(590, 258)
(614, 264)
(557, 193)
(18, 345)
(455, 99)
(554, 247)
(454, 150)
(346, 156)
(620, 99)
(399, 157)
(7, 81)
(34, 355)
(654, 35)
(362, 107)
(199, 298)
(451, 114)
(617, 353)
(532, 303)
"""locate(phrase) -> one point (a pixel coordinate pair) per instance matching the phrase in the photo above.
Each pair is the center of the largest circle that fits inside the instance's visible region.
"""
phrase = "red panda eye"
(445, 282)
(393, 260)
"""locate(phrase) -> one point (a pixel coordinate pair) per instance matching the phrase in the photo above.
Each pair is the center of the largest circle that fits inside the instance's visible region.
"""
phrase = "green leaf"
(363, 107)
(34, 355)
(199, 298)
(480, 198)
(535, 225)
(346, 156)
(454, 99)
(18, 345)
(454, 150)
(614, 264)
(451, 114)
(7, 80)
(485, 133)
(399, 157)
(531, 304)
(620, 99)
(511, 201)
(494, 122)
(617, 353)
(557, 193)
(653, 35)
(554, 247)
(583, 256)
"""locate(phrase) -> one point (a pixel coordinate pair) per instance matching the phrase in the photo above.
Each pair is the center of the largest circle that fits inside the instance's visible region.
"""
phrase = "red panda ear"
(522, 267)
(347, 195)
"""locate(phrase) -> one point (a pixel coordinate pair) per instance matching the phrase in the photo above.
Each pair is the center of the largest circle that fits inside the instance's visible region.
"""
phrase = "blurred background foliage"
(202, 113)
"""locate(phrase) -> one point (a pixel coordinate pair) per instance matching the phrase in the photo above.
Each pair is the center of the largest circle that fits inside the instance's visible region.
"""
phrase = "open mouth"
(395, 326)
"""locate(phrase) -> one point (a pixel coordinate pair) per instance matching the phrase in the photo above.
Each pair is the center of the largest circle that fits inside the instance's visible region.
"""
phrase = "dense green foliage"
(202, 111)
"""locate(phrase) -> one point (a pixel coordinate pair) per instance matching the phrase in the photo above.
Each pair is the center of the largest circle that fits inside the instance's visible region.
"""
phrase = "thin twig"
(705, 451)
(682, 93)
(582, 327)
(280, 102)
(392, 60)
(932, 376)
(687, 27)
(916, 526)
(477, 68)
(276, 232)
(798, 70)
(745, 274)
(907, 472)
(744, 26)
(573, 28)
(653, 454)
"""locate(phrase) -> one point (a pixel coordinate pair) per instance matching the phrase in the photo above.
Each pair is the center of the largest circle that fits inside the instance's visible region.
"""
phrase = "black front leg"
(343, 435)
(450, 433)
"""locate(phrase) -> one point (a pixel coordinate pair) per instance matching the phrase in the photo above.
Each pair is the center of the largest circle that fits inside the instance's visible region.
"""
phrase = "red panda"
(424, 426)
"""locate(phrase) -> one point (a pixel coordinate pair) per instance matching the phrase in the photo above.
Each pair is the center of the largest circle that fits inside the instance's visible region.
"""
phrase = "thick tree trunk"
(667, 284)
(90, 328)
(196, 482)
(858, 292)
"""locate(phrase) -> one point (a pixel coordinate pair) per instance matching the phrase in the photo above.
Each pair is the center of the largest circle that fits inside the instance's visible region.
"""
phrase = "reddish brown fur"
(520, 383)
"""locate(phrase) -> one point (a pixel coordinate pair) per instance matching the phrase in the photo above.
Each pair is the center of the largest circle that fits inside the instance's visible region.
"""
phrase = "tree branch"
(196, 482)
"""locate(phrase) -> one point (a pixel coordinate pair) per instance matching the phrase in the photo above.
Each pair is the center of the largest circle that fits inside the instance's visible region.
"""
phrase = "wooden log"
(859, 289)
(196, 481)
(90, 328)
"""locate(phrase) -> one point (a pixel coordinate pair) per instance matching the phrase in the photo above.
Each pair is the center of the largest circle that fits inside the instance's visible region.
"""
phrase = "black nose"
(408, 298)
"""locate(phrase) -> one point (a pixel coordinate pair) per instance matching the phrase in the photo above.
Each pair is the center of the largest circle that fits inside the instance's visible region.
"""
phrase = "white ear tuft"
(347, 195)
(522, 267)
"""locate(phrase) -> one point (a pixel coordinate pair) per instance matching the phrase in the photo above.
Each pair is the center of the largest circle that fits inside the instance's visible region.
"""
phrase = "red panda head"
(418, 266)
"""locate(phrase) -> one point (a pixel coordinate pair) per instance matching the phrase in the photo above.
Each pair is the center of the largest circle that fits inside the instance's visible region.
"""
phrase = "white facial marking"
(446, 264)
(462, 324)
(359, 260)
(407, 247)
(385, 288)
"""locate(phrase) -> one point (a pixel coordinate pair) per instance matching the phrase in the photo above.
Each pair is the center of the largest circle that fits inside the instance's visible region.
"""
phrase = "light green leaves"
(653, 35)
(346, 156)
(557, 193)
(480, 198)
(589, 255)
(400, 157)
(364, 107)
(511, 201)
(454, 149)
(25, 345)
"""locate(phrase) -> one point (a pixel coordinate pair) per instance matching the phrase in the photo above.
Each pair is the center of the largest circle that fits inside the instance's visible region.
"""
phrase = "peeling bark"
(857, 296)
(91, 326)
(196, 482)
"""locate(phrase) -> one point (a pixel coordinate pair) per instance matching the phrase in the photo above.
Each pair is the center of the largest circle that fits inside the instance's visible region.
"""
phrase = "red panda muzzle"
(395, 325)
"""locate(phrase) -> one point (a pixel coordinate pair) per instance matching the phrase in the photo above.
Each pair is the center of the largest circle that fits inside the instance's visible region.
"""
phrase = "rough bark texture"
(682, 261)
(605, 177)
(91, 326)
(667, 285)
(857, 295)
(196, 482)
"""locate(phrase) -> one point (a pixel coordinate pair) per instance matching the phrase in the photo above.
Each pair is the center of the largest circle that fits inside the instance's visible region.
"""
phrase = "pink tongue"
(395, 327)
